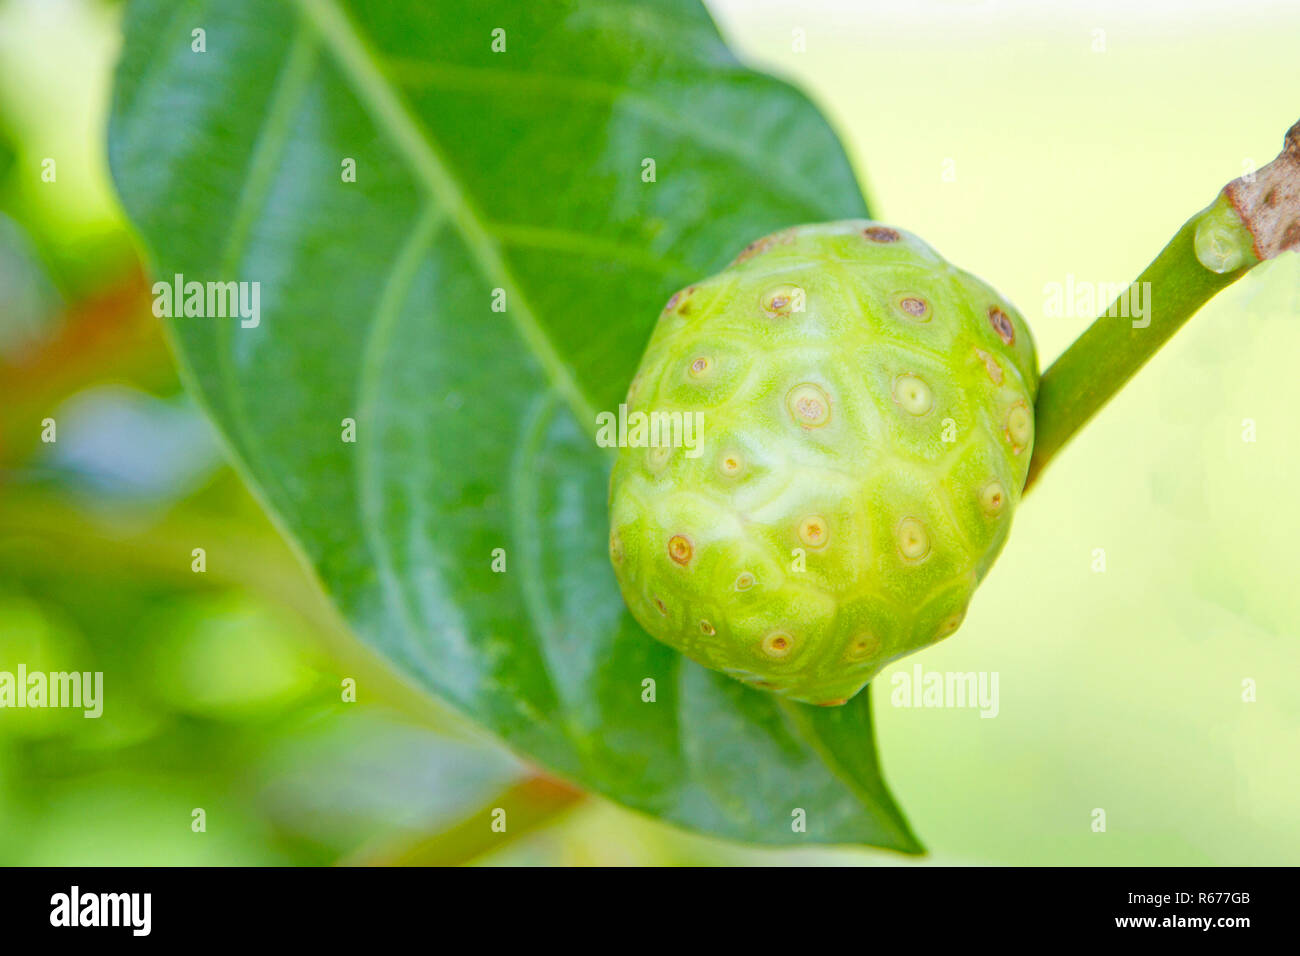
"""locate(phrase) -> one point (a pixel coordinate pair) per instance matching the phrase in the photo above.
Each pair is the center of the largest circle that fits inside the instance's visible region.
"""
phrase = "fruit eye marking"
(881, 234)
(778, 644)
(680, 549)
(658, 456)
(813, 531)
(992, 497)
(913, 539)
(1019, 425)
(913, 394)
(950, 624)
(708, 628)
(863, 647)
(680, 301)
(685, 307)
(779, 301)
(731, 464)
(915, 307)
(1002, 325)
(809, 405)
(701, 366)
(757, 247)
(991, 366)
(745, 581)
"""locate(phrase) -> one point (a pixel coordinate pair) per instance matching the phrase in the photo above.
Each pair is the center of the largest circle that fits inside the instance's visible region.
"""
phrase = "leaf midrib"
(360, 68)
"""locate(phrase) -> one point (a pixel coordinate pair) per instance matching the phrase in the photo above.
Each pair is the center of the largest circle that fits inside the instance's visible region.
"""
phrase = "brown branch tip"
(1268, 201)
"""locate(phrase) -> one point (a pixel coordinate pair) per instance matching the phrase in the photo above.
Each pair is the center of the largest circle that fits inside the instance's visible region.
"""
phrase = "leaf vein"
(388, 308)
(361, 68)
(413, 73)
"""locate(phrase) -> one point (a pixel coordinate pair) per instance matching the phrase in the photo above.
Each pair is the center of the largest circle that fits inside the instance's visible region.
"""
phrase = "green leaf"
(478, 171)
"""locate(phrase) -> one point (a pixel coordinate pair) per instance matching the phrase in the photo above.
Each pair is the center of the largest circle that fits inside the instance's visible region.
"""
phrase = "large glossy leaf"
(477, 171)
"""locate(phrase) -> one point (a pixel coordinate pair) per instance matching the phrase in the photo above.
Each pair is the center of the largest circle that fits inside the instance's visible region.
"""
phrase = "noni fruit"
(826, 442)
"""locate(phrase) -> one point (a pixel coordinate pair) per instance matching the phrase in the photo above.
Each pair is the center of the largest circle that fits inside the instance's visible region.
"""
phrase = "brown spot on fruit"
(991, 366)
(813, 531)
(778, 644)
(914, 307)
(672, 302)
(759, 246)
(700, 366)
(662, 608)
(708, 628)
(680, 548)
(779, 301)
(730, 464)
(1002, 325)
(838, 701)
(881, 234)
(685, 308)
(615, 548)
(744, 581)
(809, 405)
(863, 647)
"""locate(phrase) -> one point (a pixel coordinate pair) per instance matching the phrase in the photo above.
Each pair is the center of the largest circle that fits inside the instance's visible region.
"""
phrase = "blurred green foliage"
(224, 689)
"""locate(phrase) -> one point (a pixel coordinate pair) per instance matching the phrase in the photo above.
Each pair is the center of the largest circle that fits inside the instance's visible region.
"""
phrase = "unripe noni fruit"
(864, 431)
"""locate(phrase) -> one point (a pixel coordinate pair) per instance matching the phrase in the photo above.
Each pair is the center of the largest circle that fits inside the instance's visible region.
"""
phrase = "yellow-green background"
(1119, 690)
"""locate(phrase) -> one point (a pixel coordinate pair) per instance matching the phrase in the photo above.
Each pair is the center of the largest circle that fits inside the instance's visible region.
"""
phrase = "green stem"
(1254, 218)
(1172, 288)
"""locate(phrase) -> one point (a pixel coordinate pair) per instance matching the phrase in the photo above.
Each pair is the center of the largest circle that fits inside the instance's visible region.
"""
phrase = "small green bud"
(1221, 241)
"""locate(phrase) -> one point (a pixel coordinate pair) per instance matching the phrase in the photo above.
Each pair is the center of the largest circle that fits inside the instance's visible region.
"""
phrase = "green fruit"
(866, 427)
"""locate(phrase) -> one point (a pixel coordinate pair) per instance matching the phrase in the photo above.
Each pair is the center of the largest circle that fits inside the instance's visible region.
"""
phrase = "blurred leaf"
(33, 637)
(110, 336)
(479, 171)
(139, 819)
(225, 658)
(8, 151)
(122, 444)
(28, 297)
(367, 778)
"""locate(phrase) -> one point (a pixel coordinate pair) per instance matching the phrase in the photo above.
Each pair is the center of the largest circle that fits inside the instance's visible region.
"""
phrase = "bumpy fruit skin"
(867, 423)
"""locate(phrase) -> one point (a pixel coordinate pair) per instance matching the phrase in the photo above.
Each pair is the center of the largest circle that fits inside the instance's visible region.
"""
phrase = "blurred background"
(1031, 144)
